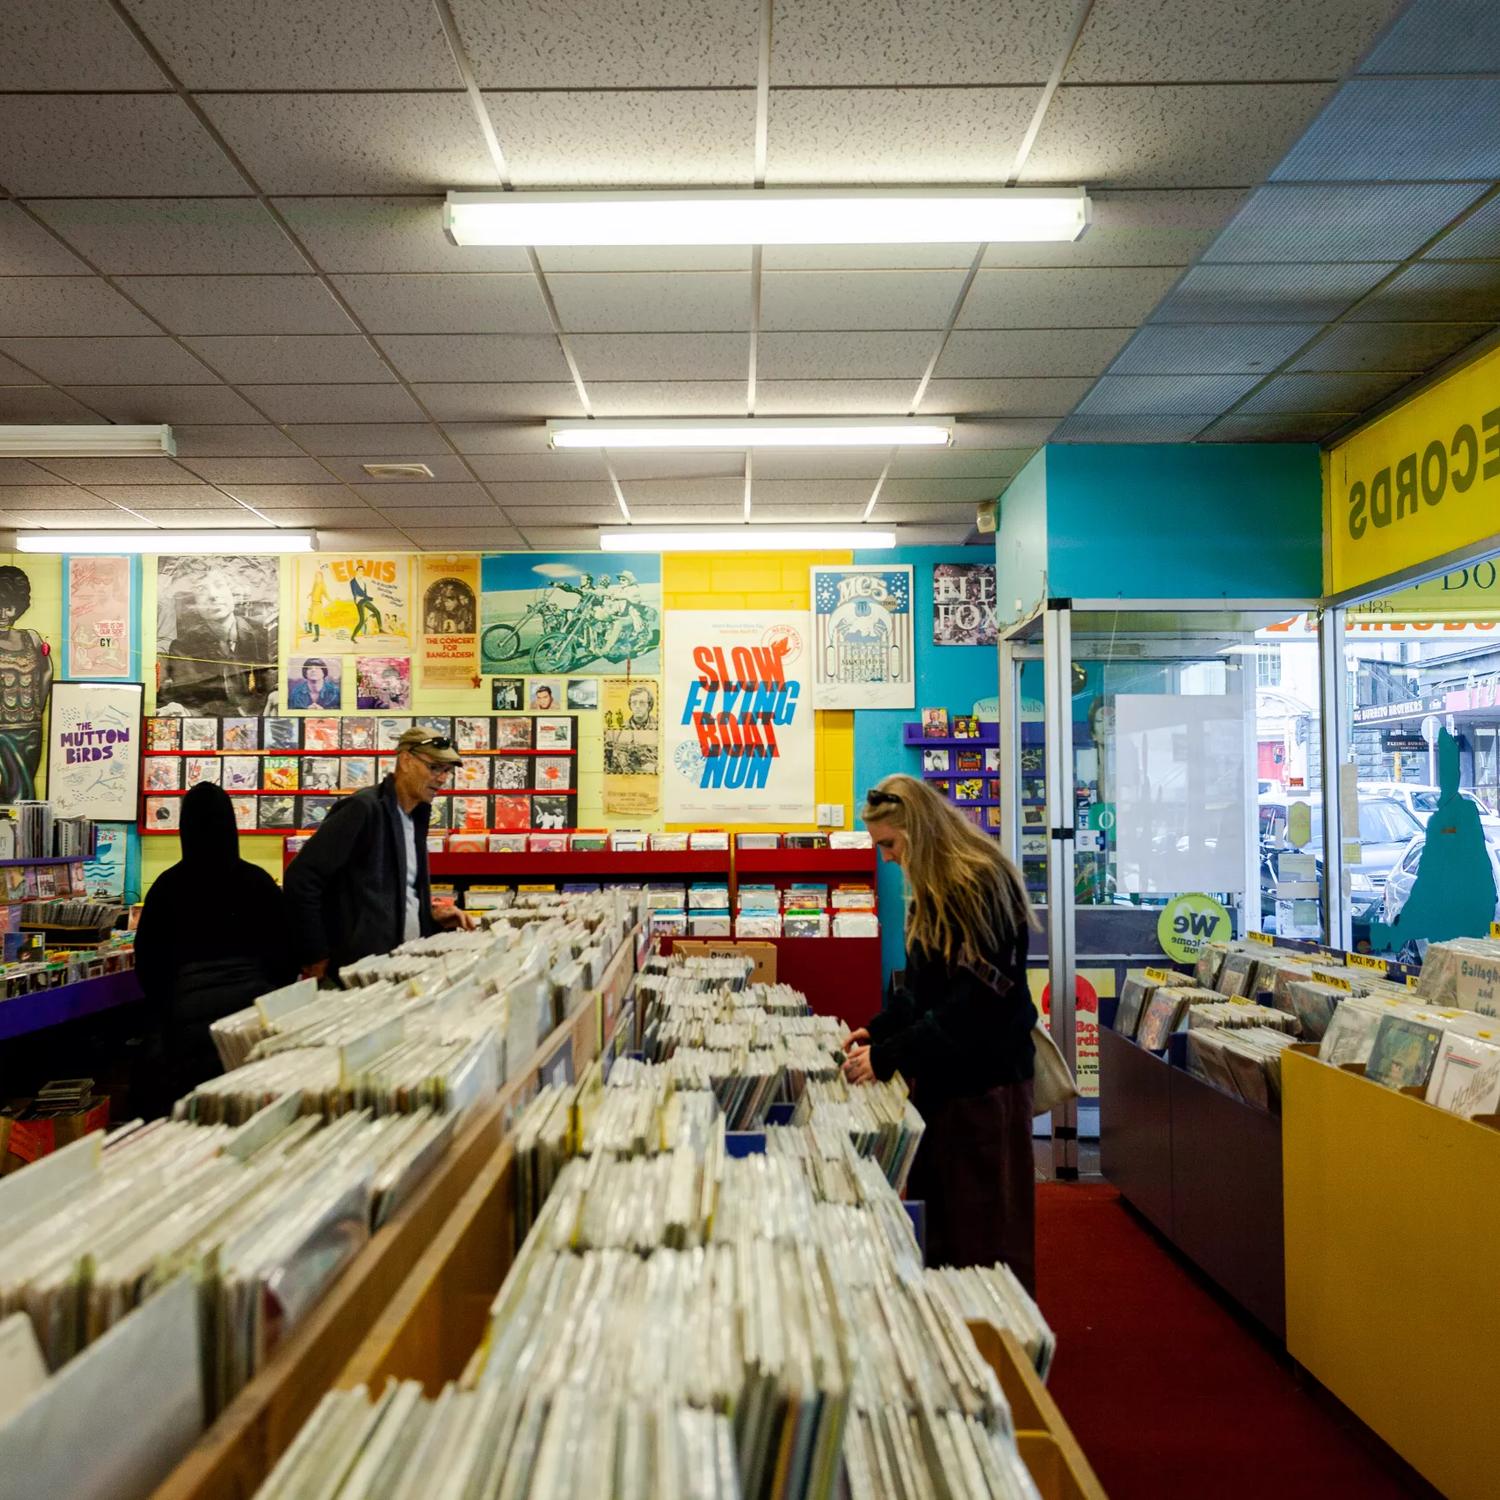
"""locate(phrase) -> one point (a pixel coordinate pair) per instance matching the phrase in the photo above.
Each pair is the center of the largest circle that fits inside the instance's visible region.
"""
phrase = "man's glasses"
(876, 798)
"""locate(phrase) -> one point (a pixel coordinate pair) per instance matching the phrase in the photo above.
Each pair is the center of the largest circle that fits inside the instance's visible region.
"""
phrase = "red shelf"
(805, 862)
(594, 865)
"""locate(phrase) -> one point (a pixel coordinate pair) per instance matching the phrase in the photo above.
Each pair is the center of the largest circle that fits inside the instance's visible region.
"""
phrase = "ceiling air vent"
(397, 471)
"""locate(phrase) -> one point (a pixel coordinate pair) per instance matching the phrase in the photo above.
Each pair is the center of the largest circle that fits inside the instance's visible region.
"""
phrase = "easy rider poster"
(561, 612)
(448, 596)
(353, 602)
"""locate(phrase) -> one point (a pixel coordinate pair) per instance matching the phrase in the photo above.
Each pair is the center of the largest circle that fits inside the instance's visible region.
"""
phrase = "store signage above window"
(1421, 482)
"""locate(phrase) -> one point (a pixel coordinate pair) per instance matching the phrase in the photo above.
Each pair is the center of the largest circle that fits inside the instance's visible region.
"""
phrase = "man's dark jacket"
(347, 888)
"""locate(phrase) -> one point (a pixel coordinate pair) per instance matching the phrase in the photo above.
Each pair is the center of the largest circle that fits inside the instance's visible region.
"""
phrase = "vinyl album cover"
(312, 810)
(163, 773)
(382, 682)
(281, 734)
(545, 694)
(552, 812)
(280, 773)
(320, 773)
(1404, 1053)
(472, 774)
(201, 768)
(508, 694)
(582, 694)
(968, 760)
(555, 734)
(553, 773)
(315, 682)
(388, 731)
(357, 732)
(471, 732)
(241, 773)
(240, 734)
(470, 814)
(935, 760)
(442, 814)
(935, 723)
(512, 773)
(200, 734)
(277, 812)
(438, 723)
(163, 812)
(513, 733)
(357, 772)
(321, 734)
(164, 732)
(512, 811)
(244, 812)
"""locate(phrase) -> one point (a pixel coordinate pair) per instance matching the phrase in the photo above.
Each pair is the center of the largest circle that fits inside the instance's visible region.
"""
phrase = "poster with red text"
(448, 588)
(737, 717)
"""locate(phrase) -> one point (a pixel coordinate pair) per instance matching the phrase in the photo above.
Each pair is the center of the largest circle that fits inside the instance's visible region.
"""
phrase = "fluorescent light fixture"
(79, 542)
(789, 216)
(105, 440)
(746, 539)
(754, 432)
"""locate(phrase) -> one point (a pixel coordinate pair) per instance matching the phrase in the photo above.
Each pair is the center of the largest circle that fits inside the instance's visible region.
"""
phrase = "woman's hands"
(862, 1035)
(858, 1069)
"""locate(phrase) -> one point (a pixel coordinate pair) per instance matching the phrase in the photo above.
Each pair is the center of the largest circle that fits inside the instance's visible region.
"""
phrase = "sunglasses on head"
(438, 742)
(876, 798)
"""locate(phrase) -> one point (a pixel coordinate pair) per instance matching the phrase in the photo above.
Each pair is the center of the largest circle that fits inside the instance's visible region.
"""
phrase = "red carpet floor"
(1168, 1392)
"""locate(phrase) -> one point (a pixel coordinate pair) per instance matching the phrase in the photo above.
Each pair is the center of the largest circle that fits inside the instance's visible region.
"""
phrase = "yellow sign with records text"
(1421, 482)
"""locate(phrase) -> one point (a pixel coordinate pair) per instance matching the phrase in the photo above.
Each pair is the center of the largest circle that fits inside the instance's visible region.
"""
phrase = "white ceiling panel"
(165, 403)
(1006, 398)
(424, 493)
(651, 302)
(1171, 136)
(231, 517)
(498, 437)
(943, 536)
(843, 515)
(110, 517)
(555, 493)
(503, 402)
(334, 403)
(1031, 351)
(829, 398)
(687, 515)
(896, 135)
(958, 463)
(388, 236)
(147, 497)
(1126, 42)
(845, 356)
(642, 463)
(522, 467)
(561, 538)
(66, 305)
(514, 43)
(818, 300)
(660, 356)
(592, 260)
(42, 500)
(471, 303)
(446, 468)
(264, 441)
(108, 361)
(173, 236)
(812, 463)
(373, 538)
(72, 44)
(829, 42)
(27, 249)
(258, 470)
(942, 257)
(12, 373)
(23, 471)
(325, 517)
(121, 471)
(41, 403)
(792, 492)
(1105, 297)
(926, 491)
(391, 441)
(730, 491)
(583, 515)
(1005, 433)
(287, 359)
(476, 356)
(270, 497)
(635, 138)
(288, 44)
(930, 515)
(354, 143)
(237, 304)
(85, 145)
(667, 398)
(454, 515)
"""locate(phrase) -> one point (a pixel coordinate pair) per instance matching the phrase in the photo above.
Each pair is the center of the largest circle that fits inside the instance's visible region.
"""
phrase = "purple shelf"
(70, 1002)
(989, 734)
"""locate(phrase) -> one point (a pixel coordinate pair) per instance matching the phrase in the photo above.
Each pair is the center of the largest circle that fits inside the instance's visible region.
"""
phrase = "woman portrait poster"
(216, 630)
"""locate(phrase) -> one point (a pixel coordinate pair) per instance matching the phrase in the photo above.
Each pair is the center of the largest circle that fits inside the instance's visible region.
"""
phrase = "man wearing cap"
(359, 885)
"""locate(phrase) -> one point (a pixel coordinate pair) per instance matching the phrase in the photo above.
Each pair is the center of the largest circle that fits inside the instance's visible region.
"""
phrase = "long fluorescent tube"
(753, 432)
(104, 440)
(789, 216)
(79, 542)
(745, 539)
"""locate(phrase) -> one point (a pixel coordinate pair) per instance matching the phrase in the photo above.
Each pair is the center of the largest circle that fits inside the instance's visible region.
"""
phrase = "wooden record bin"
(233, 1457)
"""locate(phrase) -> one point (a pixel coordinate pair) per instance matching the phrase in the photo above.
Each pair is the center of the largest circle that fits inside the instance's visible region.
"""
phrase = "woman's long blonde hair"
(965, 897)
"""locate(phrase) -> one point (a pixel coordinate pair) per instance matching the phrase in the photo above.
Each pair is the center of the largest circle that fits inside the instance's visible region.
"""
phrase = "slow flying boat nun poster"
(862, 649)
(738, 718)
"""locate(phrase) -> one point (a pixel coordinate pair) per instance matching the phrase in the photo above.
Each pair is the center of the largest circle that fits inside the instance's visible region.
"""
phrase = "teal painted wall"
(1180, 520)
(1021, 542)
(951, 677)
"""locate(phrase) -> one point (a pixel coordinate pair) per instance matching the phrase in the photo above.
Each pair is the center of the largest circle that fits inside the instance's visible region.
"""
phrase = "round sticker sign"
(1187, 923)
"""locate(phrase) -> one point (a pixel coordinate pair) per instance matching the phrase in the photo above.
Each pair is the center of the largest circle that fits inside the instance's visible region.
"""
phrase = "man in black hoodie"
(360, 885)
(213, 935)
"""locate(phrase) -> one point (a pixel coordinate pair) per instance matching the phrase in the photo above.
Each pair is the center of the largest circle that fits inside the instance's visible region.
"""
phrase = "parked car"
(1404, 875)
(1418, 798)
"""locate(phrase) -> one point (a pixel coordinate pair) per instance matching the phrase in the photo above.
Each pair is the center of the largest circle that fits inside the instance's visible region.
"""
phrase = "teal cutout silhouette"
(1454, 892)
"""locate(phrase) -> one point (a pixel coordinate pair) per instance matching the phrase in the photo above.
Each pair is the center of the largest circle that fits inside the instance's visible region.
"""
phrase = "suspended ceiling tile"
(904, 258)
(426, 494)
(1031, 351)
(1340, 222)
(1435, 290)
(1212, 349)
(27, 249)
(288, 44)
(334, 403)
(1278, 427)
(1269, 293)
(476, 356)
(792, 492)
(514, 44)
(956, 463)
(354, 143)
(554, 494)
(930, 515)
(142, 497)
(1454, 36)
(520, 467)
(688, 515)
(844, 356)
(1389, 346)
(456, 515)
(1164, 395)
(635, 138)
(1107, 427)
(820, 464)
(1127, 42)
(444, 467)
(1323, 393)
(293, 496)
(660, 356)
(1005, 398)
(13, 374)
(1071, 298)
(828, 398)
(926, 491)
(1478, 237)
(730, 491)
(23, 471)
(324, 518)
(947, 536)
(238, 304)
(388, 236)
(259, 470)
(320, 359)
(1005, 433)
(896, 135)
(561, 538)
(652, 302)
(1170, 136)
(383, 440)
(264, 441)
(108, 361)
(42, 501)
(632, 463)
(167, 403)
(84, 145)
(593, 260)
(498, 437)
(173, 236)
(1384, 128)
(41, 403)
(790, 515)
(59, 306)
(603, 514)
(821, 300)
(72, 44)
(454, 303)
(94, 471)
(101, 517)
(502, 402)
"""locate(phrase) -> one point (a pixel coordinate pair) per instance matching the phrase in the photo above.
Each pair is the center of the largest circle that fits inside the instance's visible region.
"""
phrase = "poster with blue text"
(559, 612)
(862, 638)
(738, 718)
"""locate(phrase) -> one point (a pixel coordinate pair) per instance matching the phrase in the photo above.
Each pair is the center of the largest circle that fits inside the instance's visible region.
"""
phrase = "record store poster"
(738, 717)
(632, 746)
(354, 602)
(448, 587)
(862, 652)
(94, 750)
(217, 623)
(963, 605)
(100, 597)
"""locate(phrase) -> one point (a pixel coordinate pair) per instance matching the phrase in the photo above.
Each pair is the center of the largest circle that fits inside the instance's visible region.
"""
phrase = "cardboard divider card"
(26, 1197)
(278, 1003)
(356, 1056)
(23, 1372)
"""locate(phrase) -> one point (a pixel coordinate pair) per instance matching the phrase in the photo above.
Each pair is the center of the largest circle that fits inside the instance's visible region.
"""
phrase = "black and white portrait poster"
(963, 604)
(216, 634)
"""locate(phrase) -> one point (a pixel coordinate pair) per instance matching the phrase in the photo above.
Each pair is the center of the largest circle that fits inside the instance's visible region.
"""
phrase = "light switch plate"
(830, 815)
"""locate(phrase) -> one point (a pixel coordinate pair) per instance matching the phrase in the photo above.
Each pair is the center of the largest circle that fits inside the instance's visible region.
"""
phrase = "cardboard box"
(764, 954)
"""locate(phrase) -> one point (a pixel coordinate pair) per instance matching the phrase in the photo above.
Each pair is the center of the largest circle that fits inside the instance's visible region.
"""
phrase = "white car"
(1404, 873)
(1418, 798)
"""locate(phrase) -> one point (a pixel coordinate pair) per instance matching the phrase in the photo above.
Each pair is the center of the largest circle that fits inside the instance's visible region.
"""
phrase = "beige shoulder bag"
(1052, 1084)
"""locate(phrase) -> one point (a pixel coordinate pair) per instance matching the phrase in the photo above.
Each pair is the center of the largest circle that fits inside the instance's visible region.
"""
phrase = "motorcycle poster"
(562, 613)
(448, 588)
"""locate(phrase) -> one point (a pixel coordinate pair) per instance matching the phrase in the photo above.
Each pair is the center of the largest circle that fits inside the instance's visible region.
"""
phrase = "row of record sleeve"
(456, 812)
(470, 733)
(309, 772)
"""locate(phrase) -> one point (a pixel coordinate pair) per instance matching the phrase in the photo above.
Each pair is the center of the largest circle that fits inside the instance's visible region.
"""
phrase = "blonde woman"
(959, 1028)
